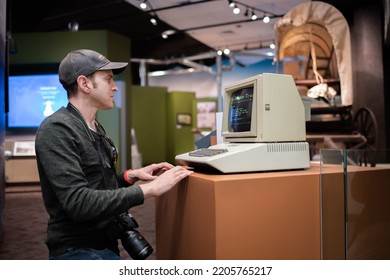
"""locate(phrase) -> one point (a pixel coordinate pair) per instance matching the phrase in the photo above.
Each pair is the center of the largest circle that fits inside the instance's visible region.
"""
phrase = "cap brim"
(116, 67)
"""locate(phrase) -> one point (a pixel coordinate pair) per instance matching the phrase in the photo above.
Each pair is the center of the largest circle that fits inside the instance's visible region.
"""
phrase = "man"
(82, 192)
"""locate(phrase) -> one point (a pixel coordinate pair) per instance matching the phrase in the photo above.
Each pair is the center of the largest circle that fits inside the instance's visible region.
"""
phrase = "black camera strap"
(104, 164)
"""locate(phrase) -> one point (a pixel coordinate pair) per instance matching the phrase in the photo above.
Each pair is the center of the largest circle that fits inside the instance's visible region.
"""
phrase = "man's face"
(104, 88)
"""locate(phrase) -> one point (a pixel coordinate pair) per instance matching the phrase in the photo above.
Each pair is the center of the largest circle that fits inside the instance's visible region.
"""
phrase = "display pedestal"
(269, 215)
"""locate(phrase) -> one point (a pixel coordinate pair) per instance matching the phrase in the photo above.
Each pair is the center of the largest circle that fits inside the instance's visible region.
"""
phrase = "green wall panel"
(44, 47)
(180, 137)
(148, 118)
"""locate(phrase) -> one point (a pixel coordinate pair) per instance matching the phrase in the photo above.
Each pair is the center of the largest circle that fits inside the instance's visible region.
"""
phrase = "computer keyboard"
(248, 157)
(206, 152)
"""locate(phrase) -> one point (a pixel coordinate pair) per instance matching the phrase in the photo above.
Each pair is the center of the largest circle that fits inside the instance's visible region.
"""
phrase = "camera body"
(124, 228)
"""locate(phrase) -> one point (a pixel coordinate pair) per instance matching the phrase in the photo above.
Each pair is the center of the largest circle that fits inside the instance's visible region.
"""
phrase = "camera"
(124, 228)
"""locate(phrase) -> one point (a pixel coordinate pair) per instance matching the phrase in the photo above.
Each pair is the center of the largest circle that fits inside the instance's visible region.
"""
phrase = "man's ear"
(84, 83)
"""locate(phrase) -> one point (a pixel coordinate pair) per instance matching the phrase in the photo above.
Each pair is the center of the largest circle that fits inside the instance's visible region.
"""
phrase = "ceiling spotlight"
(167, 33)
(153, 21)
(219, 52)
(231, 3)
(226, 51)
(73, 26)
(143, 5)
(236, 10)
(272, 46)
(266, 19)
(253, 16)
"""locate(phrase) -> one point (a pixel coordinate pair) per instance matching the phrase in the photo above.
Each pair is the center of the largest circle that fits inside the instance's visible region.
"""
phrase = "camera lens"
(136, 245)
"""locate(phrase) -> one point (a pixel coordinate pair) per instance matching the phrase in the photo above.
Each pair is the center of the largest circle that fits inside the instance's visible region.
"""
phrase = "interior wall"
(367, 41)
(386, 63)
(2, 112)
(386, 69)
(148, 110)
(180, 138)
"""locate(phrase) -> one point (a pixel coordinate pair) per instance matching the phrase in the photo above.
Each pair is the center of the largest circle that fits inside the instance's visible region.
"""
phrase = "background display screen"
(32, 98)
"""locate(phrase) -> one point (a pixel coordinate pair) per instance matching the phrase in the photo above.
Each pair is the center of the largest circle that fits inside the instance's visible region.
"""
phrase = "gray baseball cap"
(85, 62)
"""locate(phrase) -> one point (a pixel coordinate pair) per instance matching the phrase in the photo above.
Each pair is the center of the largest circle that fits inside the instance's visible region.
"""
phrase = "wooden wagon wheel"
(365, 123)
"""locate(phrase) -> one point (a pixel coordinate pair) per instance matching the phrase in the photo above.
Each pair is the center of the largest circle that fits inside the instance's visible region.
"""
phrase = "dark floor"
(26, 219)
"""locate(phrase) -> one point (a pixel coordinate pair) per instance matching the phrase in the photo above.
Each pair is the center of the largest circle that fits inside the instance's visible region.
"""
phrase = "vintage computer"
(263, 129)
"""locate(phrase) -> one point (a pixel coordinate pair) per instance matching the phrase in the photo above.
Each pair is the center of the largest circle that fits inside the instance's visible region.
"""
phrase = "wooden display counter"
(20, 163)
(270, 215)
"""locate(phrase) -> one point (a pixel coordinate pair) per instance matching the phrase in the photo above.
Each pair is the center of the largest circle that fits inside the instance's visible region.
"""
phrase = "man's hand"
(148, 173)
(165, 181)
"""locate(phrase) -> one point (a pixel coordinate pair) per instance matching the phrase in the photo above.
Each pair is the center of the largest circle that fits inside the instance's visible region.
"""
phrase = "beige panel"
(21, 170)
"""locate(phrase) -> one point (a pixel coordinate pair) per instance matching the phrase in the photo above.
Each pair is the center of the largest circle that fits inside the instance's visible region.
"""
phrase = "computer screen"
(32, 98)
(240, 113)
(263, 108)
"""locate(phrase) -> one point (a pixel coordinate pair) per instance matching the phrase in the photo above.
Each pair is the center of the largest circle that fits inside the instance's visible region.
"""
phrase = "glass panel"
(332, 205)
(367, 185)
(355, 204)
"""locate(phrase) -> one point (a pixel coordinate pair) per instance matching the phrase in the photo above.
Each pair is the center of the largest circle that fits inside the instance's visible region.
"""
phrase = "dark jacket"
(80, 200)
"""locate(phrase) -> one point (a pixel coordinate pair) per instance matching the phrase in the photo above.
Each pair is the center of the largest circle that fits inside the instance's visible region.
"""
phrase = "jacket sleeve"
(121, 180)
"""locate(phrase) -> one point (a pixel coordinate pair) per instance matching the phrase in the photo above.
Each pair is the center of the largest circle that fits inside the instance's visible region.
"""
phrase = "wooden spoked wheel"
(365, 124)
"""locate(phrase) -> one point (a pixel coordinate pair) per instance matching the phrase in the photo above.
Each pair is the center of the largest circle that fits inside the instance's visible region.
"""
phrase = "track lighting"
(268, 46)
(73, 26)
(143, 5)
(167, 33)
(253, 16)
(236, 10)
(226, 51)
(153, 21)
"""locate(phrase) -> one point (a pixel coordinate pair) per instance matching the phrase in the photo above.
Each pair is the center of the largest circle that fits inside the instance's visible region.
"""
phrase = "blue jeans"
(87, 254)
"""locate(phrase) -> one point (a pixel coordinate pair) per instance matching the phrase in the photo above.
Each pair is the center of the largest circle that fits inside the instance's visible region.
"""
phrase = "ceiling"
(197, 26)
(214, 24)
